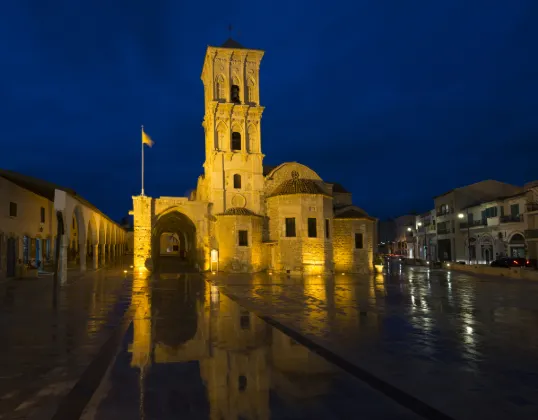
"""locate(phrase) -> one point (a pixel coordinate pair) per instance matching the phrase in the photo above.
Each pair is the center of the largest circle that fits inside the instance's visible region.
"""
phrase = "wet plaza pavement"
(462, 344)
(194, 354)
(48, 343)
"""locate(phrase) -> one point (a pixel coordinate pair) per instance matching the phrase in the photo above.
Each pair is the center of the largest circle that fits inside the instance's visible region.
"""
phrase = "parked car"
(507, 262)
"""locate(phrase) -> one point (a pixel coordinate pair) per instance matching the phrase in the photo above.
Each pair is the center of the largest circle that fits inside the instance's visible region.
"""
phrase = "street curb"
(401, 397)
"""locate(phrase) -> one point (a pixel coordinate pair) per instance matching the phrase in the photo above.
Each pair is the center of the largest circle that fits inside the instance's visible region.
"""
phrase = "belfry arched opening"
(174, 243)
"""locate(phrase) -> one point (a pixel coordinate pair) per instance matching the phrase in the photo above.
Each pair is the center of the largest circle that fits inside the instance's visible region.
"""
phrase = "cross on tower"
(230, 30)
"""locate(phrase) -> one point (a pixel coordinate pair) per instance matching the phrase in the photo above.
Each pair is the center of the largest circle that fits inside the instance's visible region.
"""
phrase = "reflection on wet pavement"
(459, 343)
(191, 352)
(46, 346)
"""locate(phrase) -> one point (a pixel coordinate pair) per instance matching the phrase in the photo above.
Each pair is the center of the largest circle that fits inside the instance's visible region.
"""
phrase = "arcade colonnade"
(89, 239)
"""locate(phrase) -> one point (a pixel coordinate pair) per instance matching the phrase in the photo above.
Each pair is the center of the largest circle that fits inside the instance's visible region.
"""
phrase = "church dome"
(353, 213)
(238, 211)
(298, 186)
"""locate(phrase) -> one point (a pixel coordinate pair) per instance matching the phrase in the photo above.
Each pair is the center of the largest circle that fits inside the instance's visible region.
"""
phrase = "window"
(236, 141)
(242, 382)
(358, 241)
(327, 234)
(42, 214)
(74, 223)
(235, 94)
(243, 238)
(244, 320)
(237, 181)
(290, 227)
(514, 210)
(13, 209)
(488, 213)
(312, 228)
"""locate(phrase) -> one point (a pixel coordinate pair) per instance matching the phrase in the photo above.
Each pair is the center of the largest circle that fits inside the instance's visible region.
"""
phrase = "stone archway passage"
(174, 223)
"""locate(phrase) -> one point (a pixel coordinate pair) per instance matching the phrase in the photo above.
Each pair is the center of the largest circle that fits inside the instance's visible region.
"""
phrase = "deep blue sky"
(397, 100)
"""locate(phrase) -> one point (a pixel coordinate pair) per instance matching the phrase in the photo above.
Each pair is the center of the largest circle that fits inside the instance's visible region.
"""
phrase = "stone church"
(245, 216)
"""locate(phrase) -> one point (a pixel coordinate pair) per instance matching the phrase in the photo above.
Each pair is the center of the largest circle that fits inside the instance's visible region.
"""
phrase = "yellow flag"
(146, 139)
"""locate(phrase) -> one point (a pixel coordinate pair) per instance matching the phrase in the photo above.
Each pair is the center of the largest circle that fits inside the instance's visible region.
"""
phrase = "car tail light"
(515, 262)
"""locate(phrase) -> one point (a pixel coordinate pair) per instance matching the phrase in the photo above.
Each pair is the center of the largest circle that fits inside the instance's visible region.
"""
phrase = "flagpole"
(142, 141)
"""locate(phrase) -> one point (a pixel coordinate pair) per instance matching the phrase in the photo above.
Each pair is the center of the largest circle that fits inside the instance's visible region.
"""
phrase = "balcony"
(474, 223)
(444, 212)
(444, 231)
(532, 206)
(512, 219)
(531, 234)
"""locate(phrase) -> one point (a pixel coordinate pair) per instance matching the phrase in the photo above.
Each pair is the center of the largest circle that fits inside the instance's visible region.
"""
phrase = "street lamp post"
(461, 216)
(409, 229)
(419, 224)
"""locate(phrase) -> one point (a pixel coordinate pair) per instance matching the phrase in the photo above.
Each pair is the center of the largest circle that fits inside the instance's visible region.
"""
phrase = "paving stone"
(460, 343)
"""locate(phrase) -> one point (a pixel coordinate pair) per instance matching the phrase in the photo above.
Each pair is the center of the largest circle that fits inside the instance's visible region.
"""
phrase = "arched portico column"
(82, 255)
(62, 263)
(96, 256)
(103, 255)
(113, 251)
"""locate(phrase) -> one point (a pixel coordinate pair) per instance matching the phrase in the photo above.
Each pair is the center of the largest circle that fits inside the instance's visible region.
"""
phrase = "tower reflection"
(241, 360)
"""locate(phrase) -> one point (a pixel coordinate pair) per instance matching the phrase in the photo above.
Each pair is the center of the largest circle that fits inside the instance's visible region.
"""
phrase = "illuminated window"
(235, 94)
(327, 234)
(243, 238)
(312, 228)
(13, 209)
(290, 227)
(237, 181)
(358, 241)
(236, 141)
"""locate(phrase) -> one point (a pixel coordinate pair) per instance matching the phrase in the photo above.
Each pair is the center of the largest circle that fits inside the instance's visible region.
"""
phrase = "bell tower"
(233, 174)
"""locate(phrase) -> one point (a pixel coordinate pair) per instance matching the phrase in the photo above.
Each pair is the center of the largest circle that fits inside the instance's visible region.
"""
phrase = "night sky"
(396, 100)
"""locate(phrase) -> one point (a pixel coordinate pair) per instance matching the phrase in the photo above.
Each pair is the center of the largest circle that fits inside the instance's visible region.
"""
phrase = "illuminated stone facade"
(282, 218)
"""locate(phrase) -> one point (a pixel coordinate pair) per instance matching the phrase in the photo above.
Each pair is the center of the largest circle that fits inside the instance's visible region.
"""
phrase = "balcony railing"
(531, 234)
(512, 219)
(532, 206)
(474, 223)
(444, 231)
(444, 212)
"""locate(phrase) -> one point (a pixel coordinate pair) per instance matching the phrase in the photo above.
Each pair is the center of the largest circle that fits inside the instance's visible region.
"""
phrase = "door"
(487, 254)
(11, 257)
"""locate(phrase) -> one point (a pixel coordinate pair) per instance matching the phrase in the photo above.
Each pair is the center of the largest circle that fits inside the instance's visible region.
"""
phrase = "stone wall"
(235, 258)
(346, 257)
(300, 254)
(142, 212)
(513, 272)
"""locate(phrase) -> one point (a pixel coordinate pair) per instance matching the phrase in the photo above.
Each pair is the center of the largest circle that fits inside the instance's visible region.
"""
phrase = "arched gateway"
(173, 243)
(169, 234)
